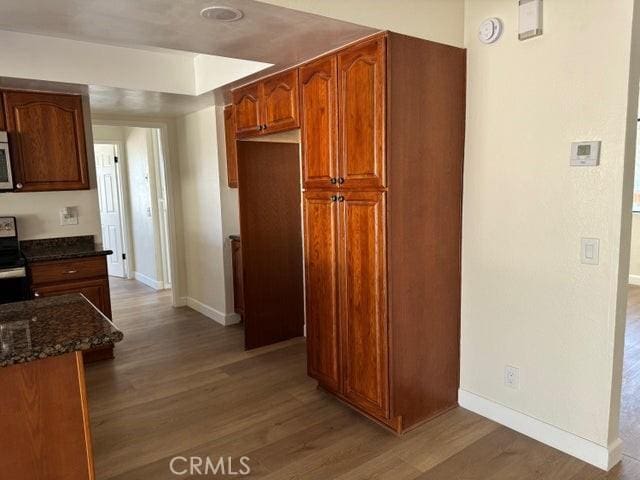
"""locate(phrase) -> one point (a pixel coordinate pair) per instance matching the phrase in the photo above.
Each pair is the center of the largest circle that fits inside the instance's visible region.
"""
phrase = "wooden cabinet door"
(280, 102)
(48, 148)
(319, 123)
(96, 291)
(361, 86)
(231, 147)
(363, 301)
(246, 106)
(321, 271)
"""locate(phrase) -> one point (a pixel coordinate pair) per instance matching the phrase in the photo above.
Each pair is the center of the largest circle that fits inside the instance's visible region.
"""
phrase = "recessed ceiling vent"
(221, 13)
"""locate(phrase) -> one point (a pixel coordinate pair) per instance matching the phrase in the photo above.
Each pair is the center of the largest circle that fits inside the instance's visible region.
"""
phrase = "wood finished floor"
(630, 408)
(182, 385)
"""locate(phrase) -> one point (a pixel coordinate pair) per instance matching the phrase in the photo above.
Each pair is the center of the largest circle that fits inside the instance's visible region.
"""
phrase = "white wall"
(140, 177)
(63, 60)
(438, 20)
(527, 300)
(38, 213)
(202, 215)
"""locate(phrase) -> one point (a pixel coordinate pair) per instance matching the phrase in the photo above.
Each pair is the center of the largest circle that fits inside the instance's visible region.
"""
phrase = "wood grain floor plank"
(183, 385)
(630, 407)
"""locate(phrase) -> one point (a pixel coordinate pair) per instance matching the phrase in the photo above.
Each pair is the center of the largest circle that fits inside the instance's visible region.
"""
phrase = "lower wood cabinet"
(347, 334)
(46, 429)
(96, 291)
(87, 276)
(363, 311)
(321, 272)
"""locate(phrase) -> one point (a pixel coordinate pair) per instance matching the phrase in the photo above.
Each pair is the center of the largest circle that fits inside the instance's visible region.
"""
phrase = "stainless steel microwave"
(6, 179)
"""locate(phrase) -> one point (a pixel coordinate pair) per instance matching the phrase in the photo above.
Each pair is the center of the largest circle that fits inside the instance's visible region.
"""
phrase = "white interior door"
(110, 209)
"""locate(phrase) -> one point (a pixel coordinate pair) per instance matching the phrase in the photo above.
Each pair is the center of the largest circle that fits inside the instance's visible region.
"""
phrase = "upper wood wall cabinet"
(247, 103)
(382, 259)
(268, 106)
(47, 139)
(348, 90)
(361, 83)
(319, 120)
(231, 146)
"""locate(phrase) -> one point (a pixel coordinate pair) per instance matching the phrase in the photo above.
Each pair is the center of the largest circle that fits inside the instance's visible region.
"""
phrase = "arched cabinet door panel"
(319, 122)
(280, 102)
(361, 90)
(246, 105)
(47, 139)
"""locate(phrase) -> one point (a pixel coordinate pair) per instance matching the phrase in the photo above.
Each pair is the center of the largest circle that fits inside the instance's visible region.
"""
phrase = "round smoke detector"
(221, 13)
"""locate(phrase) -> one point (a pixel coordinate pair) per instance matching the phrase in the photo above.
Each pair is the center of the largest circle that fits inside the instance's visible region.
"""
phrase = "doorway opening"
(630, 404)
(131, 174)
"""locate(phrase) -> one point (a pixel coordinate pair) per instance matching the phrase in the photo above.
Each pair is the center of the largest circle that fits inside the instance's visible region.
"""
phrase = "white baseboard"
(208, 311)
(634, 279)
(150, 282)
(586, 450)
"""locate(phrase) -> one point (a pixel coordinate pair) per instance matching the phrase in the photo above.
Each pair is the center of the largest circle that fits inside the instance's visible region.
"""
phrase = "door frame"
(123, 198)
(163, 219)
(167, 165)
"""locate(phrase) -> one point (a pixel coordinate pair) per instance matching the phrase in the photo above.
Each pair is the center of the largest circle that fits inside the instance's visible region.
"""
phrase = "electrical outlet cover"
(512, 377)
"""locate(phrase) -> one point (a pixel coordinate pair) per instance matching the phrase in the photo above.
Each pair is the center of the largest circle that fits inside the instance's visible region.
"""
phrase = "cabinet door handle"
(36, 294)
(70, 272)
(19, 186)
(333, 180)
(341, 198)
(340, 180)
(334, 198)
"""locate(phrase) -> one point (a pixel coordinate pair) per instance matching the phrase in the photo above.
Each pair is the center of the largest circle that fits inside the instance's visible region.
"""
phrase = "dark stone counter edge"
(67, 256)
(61, 349)
(234, 237)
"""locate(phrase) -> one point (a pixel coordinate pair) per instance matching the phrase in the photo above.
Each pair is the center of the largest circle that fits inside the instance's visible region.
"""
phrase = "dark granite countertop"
(234, 237)
(51, 326)
(61, 248)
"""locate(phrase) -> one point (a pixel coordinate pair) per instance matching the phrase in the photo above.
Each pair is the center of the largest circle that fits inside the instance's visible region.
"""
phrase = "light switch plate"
(590, 251)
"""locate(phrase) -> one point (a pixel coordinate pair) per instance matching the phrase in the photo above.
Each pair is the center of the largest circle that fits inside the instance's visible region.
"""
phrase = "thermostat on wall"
(530, 19)
(585, 154)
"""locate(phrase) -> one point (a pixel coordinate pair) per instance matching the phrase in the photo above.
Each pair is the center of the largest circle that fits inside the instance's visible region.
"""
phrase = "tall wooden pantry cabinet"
(382, 142)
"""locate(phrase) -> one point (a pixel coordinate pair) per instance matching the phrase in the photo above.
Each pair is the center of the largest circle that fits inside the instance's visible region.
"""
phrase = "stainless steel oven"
(14, 284)
(6, 178)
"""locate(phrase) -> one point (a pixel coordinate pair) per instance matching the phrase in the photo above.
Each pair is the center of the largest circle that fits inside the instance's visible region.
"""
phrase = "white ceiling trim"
(39, 57)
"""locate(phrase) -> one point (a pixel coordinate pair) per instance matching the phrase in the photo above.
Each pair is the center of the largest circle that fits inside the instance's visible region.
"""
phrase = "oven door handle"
(20, 272)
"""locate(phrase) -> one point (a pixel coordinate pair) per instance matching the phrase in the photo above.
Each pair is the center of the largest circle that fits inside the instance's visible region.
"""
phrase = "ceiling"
(266, 33)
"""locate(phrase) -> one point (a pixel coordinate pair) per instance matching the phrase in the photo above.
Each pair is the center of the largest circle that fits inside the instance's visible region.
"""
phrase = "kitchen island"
(44, 420)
